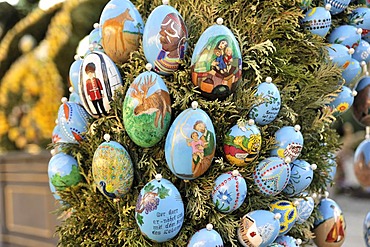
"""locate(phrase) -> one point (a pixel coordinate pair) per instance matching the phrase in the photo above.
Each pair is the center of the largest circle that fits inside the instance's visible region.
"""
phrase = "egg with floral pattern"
(346, 35)
(343, 101)
(360, 18)
(288, 211)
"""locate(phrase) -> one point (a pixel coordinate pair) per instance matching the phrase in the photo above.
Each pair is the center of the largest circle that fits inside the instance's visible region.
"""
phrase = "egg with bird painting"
(112, 169)
(147, 109)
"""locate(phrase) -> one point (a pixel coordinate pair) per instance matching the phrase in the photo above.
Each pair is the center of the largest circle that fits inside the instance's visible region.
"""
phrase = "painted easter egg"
(112, 169)
(346, 35)
(72, 121)
(121, 29)
(330, 228)
(352, 73)
(147, 109)
(332, 168)
(74, 97)
(63, 171)
(339, 54)
(99, 78)
(206, 237)
(337, 6)
(190, 143)
(288, 241)
(54, 192)
(305, 208)
(362, 163)
(289, 142)
(95, 39)
(360, 17)
(258, 228)
(165, 39)
(343, 101)
(159, 210)
(361, 102)
(229, 191)
(318, 20)
(288, 213)
(74, 72)
(362, 51)
(271, 175)
(269, 105)
(216, 64)
(56, 136)
(242, 143)
(301, 176)
(366, 227)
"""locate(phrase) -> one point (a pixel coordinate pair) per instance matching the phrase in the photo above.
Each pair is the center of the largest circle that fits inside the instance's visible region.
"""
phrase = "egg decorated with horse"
(360, 18)
(216, 64)
(121, 29)
(229, 191)
(147, 109)
(271, 175)
(337, 6)
(346, 35)
(301, 176)
(190, 143)
(159, 210)
(206, 237)
(112, 169)
(73, 121)
(99, 78)
(305, 208)
(258, 228)
(288, 211)
(242, 143)
(318, 20)
(165, 39)
(289, 143)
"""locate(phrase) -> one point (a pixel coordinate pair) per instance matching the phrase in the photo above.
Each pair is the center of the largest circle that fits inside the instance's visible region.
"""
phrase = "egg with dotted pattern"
(318, 20)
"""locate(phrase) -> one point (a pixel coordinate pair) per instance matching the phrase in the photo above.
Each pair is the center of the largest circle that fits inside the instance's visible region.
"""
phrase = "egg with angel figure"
(318, 20)
(216, 63)
(300, 177)
(206, 237)
(289, 141)
(159, 210)
(112, 169)
(190, 143)
(165, 39)
(360, 18)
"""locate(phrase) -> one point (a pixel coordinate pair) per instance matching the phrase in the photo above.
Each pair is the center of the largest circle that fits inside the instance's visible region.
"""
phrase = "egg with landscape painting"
(147, 109)
(216, 64)
(121, 29)
(289, 143)
(318, 20)
(112, 169)
(165, 39)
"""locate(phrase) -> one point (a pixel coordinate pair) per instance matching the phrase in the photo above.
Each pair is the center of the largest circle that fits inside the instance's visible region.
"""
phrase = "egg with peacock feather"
(318, 20)
(301, 176)
(216, 64)
(165, 39)
(147, 109)
(190, 143)
(360, 18)
(206, 237)
(121, 29)
(288, 211)
(112, 169)
(99, 78)
(159, 210)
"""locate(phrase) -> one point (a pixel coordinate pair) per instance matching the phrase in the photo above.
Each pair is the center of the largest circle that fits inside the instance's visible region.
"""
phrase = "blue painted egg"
(362, 163)
(190, 143)
(360, 17)
(317, 20)
(288, 213)
(159, 210)
(337, 6)
(242, 143)
(147, 109)
(268, 108)
(216, 64)
(305, 208)
(121, 29)
(289, 143)
(99, 78)
(74, 73)
(343, 101)
(165, 39)
(95, 39)
(346, 35)
(229, 191)
(330, 228)
(258, 228)
(75, 98)
(362, 52)
(366, 227)
(112, 169)
(361, 103)
(63, 171)
(271, 176)
(206, 237)
(287, 241)
(300, 177)
(54, 192)
(72, 121)
(57, 135)
(332, 170)
(352, 73)
(339, 55)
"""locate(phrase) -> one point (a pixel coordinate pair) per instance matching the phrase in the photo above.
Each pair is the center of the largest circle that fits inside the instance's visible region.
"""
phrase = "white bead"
(351, 51)
(158, 177)
(354, 93)
(209, 226)
(148, 66)
(250, 122)
(359, 30)
(235, 173)
(165, 2)
(106, 137)
(219, 21)
(96, 25)
(277, 216)
(327, 7)
(53, 152)
(194, 105)
(313, 166)
(287, 160)
(70, 89)
(326, 194)
(268, 79)
(297, 127)
(64, 100)
(77, 57)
